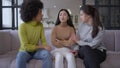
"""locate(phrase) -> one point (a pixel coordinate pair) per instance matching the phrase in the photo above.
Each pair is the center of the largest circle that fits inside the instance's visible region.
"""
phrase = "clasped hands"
(47, 47)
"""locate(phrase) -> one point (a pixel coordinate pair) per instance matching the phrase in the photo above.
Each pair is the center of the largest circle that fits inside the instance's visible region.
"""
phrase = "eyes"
(63, 13)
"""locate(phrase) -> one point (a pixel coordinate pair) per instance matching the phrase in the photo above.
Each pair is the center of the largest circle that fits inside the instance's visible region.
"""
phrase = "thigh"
(64, 51)
(41, 54)
(58, 56)
(86, 52)
(100, 55)
(23, 56)
(70, 56)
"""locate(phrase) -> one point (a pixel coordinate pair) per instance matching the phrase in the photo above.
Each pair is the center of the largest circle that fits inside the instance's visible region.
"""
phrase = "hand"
(47, 47)
(75, 52)
(62, 42)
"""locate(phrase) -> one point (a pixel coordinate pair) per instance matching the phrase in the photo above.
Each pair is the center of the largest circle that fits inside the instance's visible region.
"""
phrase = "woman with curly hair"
(30, 33)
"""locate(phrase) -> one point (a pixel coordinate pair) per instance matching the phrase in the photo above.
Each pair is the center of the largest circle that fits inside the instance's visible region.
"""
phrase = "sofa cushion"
(15, 42)
(112, 60)
(6, 59)
(117, 40)
(109, 40)
(5, 42)
(32, 64)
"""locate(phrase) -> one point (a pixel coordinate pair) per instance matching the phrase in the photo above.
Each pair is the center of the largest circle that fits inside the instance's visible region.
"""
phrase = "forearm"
(58, 45)
(39, 46)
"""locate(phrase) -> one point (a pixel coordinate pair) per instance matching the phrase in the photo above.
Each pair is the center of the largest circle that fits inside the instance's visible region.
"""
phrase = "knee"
(70, 57)
(21, 57)
(46, 54)
(85, 48)
(58, 56)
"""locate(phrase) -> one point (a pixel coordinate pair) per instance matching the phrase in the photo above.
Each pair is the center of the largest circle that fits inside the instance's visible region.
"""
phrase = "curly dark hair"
(29, 9)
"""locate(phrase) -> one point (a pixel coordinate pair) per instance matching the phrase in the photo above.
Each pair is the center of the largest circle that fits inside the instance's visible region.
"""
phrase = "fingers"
(47, 47)
(74, 52)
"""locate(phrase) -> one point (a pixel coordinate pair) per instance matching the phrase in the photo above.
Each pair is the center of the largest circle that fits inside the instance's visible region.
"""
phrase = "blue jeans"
(23, 57)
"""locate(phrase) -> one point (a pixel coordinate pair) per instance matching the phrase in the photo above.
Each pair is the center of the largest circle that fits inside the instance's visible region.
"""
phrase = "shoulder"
(54, 28)
(22, 25)
(101, 30)
(71, 28)
(81, 25)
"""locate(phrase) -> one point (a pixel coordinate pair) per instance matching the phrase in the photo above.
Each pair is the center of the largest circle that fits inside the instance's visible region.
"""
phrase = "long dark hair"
(69, 21)
(93, 12)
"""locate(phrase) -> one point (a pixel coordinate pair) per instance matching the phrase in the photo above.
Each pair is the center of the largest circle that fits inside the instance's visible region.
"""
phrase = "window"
(109, 12)
(10, 16)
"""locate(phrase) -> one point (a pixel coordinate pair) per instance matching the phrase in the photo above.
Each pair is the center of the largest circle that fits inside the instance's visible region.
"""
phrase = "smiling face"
(63, 16)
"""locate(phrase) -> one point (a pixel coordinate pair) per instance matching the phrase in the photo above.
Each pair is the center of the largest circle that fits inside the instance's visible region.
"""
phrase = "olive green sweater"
(30, 34)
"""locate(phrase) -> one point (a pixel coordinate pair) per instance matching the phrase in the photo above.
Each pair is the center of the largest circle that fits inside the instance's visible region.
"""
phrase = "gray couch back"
(9, 40)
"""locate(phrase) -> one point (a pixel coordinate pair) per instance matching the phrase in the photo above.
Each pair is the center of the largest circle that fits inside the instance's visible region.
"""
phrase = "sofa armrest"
(5, 41)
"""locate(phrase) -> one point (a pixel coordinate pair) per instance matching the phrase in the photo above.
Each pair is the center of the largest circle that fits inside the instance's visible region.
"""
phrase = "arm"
(24, 40)
(95, 41)
(43, 39)
(70, 42)
(54, 40)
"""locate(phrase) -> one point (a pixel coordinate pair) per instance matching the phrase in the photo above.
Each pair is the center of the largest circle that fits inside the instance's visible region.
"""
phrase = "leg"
(59, 60)
(92, 57)
(70, 60)
(21, 60)
(45, 56)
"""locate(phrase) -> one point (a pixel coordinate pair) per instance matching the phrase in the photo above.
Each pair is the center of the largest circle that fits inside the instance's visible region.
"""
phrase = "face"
(83, 16)
(38, 18)
(63, 16)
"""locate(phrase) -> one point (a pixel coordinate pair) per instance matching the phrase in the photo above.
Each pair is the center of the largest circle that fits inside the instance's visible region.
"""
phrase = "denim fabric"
(24, 57)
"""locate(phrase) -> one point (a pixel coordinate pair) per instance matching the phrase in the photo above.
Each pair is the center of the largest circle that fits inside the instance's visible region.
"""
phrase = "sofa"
(9, 45)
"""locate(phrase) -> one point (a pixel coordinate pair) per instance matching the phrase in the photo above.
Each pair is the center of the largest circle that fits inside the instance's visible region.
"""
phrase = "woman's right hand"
(44, 47)
(47, 47)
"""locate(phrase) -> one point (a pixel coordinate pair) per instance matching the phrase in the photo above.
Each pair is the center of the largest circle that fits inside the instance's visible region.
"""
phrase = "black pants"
(91, 57)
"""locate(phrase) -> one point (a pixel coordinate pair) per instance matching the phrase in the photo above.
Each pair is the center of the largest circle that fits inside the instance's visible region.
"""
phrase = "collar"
(34, 23)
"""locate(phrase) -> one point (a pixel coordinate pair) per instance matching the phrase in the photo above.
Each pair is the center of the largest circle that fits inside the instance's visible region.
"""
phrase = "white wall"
(53, 7)
(73, 5)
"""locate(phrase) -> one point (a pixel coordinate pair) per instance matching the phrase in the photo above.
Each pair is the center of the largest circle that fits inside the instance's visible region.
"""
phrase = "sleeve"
(70, 41)
(95, 41)
(78, 31)
(24, 40)
(43, 38)
(53, 39)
